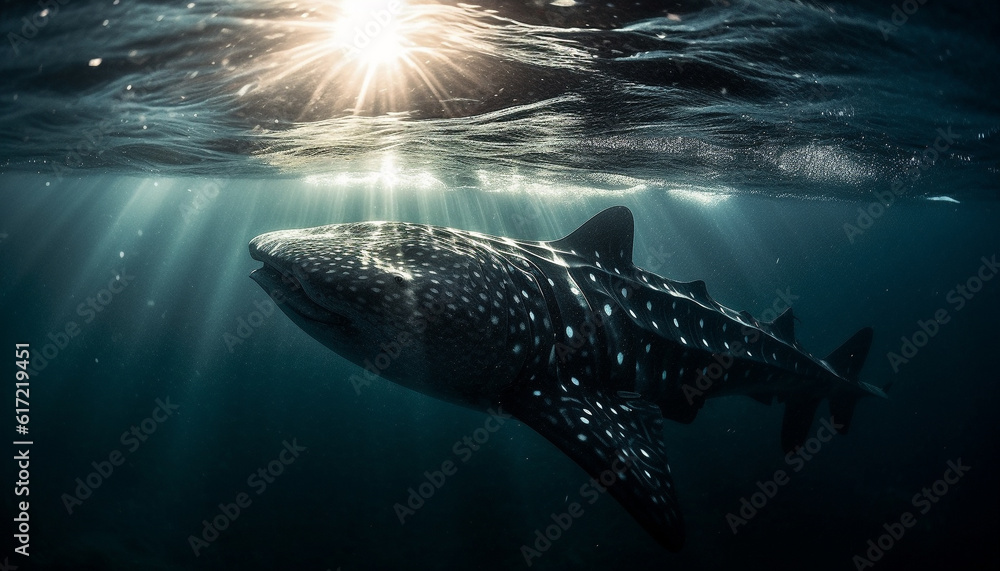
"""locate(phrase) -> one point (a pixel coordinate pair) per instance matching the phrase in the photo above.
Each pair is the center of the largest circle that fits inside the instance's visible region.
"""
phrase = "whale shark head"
(409, 302)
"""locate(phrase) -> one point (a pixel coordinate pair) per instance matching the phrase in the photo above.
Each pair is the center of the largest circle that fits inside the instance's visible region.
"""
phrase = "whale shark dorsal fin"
(698, 290)
(607, 237)
(783, 326)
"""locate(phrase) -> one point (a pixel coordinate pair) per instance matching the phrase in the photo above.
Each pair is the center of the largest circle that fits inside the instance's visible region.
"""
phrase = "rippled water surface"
(808, 99)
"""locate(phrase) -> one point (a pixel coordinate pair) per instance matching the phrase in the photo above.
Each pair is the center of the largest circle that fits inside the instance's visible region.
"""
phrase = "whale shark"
(567, 336)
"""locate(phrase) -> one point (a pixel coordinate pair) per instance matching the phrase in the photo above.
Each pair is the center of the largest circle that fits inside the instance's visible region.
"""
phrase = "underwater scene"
(541, 284)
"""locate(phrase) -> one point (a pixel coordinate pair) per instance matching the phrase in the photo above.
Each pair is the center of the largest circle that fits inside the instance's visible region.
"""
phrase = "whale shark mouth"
(285, 288)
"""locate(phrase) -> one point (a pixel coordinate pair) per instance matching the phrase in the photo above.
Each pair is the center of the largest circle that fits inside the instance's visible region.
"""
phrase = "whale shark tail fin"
(847, 361)
(617, 438)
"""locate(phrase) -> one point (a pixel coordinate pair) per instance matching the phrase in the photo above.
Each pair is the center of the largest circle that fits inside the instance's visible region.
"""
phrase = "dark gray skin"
(382, 286)
(568, 336)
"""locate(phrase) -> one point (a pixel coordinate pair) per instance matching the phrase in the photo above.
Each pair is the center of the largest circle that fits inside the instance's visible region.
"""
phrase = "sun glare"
(369, 58)
(370, 32)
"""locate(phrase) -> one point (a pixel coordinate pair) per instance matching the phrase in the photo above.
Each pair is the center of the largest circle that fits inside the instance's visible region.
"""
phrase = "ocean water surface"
(841, 158)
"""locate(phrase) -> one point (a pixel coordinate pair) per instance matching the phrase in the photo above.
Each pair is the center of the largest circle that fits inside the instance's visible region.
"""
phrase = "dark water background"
(744, 136)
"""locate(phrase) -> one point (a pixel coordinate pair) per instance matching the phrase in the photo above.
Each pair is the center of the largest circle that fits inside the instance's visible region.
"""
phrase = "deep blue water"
(744, 136)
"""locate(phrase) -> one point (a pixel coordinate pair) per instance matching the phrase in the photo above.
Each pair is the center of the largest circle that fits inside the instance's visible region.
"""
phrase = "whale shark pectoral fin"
(616, 438)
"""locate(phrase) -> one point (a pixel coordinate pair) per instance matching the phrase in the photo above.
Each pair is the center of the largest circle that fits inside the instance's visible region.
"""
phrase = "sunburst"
(371, 58)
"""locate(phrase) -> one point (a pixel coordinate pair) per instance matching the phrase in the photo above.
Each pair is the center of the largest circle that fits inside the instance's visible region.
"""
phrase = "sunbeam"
(370, 58)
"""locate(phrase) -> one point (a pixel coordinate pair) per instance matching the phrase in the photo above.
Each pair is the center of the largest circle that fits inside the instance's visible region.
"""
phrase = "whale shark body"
(568, 336)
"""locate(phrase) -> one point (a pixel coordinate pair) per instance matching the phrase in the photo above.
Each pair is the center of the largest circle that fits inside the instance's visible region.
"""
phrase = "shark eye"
(398, 279)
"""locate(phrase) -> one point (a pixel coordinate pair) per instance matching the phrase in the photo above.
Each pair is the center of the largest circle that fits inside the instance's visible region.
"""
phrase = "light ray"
(370, 58)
